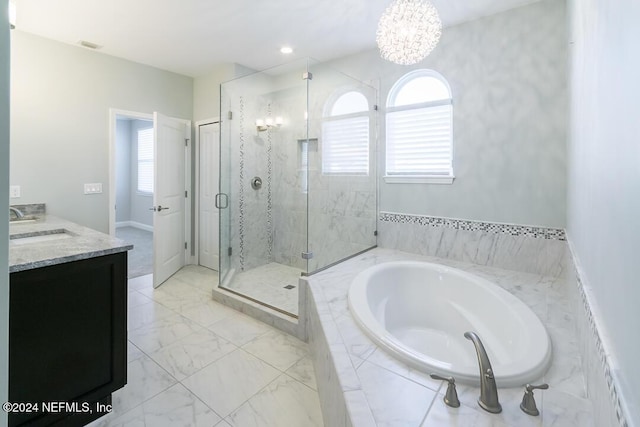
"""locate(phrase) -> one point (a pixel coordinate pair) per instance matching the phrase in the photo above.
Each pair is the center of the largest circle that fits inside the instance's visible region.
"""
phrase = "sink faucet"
(16, 212)
(488, 390)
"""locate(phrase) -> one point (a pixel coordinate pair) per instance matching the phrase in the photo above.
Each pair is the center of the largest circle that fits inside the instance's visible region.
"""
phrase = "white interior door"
(169, 252)
(209, 166)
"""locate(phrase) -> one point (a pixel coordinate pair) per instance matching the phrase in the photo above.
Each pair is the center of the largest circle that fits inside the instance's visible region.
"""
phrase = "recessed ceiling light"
(89, 45)
(286, 50)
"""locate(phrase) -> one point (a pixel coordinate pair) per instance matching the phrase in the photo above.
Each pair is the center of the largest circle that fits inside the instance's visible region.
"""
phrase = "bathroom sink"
(43, 236)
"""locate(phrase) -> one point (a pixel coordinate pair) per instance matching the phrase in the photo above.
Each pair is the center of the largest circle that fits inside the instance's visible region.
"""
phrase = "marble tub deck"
(378, 390)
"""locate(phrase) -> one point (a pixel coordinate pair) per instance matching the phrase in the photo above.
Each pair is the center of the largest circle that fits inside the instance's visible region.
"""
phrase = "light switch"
(14, 191)
(94, 188)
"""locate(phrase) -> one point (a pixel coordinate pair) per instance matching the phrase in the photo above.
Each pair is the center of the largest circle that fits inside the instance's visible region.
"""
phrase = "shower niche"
(298, 187)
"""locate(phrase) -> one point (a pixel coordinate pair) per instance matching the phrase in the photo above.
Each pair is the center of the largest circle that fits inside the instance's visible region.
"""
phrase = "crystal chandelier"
(408, 31)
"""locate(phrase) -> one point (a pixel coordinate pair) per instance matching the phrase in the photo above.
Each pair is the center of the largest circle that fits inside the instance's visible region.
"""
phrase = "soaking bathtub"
(419, 312)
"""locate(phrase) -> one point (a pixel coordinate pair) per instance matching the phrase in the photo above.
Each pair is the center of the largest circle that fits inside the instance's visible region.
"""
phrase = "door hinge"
(230, 115)
(375, 107)
(375, 233)
(185, 245)
(186, 194)
(307, 255)
(230, 251)
(186, 142)
(307, 76)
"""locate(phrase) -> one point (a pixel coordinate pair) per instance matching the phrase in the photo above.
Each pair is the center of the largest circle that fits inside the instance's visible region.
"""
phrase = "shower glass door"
(223, 201)
(342, 186)
(264, 156)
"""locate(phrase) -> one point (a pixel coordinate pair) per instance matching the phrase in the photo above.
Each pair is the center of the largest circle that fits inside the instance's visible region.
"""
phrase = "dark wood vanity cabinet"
(67, 340)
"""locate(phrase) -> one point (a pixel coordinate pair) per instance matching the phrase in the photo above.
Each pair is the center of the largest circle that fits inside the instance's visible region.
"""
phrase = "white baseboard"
(134, 224)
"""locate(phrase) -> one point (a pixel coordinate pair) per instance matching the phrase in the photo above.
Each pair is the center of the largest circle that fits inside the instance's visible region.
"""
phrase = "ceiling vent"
(89, 45)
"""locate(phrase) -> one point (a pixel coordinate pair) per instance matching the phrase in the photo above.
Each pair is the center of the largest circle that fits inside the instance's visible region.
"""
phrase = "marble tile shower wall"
(536, 250)
(290, 201)
(341, 209)
(248, 153)
(298, 208)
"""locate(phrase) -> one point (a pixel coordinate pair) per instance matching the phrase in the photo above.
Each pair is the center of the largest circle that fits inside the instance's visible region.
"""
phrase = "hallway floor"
(195, 362)
(140, 258)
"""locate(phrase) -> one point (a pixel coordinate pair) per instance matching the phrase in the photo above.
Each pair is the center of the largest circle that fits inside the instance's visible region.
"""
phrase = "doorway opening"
(134, 191)
(150, 190)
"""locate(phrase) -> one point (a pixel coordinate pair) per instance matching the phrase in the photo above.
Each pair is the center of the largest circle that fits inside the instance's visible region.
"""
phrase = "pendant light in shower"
(408, 31)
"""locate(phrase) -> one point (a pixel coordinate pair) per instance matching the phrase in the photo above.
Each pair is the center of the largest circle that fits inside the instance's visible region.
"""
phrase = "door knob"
(158, 208)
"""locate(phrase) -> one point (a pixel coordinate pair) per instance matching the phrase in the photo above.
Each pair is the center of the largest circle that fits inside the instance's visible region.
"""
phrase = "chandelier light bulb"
(408, 31)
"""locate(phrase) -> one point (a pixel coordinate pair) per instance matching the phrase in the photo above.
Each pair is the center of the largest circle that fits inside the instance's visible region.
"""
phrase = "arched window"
(419, 116)
(345, 135)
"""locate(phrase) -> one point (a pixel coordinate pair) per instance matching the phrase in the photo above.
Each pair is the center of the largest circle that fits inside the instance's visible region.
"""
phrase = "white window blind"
(145, 160)
(419, 141)
(419, 135)
(345, 146)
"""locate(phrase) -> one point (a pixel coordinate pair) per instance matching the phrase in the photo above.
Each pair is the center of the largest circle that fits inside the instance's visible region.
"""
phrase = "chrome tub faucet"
(488, 390)
(16, 212)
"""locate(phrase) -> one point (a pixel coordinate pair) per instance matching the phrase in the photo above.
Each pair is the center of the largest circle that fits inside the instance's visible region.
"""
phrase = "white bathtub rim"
(422, 362)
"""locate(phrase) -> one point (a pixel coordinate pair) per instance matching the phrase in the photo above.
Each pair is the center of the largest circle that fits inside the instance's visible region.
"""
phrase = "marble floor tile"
(278, 349)
(208, 313)
(145, 314)
(199, 277)
(141, 282)
(162, 332)
(175, 406)
(239, 329)
(177, 303)
(283, 403)
(145, 379)
(227, 383)
(180, 373)
(135, 298)
(303, 371)
(188, 355)
(133, 352)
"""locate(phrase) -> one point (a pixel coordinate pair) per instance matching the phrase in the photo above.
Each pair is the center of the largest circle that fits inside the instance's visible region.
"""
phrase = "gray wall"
(508, 77)
(4, 209)
(60, 100)
(123, 170)
(604, 177)
(206, 90)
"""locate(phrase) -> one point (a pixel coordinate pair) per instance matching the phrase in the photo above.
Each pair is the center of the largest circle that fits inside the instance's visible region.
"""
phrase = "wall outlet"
(14, 191)
(95, 188)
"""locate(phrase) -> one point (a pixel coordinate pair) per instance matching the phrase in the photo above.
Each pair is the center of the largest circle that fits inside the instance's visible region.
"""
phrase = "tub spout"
(488, 390)
(16, 212)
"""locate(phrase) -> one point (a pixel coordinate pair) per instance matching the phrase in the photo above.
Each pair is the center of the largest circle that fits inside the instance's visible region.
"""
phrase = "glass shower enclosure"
(298, 185)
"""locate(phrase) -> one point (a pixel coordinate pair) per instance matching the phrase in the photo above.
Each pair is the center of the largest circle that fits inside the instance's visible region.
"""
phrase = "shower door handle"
(218, 198)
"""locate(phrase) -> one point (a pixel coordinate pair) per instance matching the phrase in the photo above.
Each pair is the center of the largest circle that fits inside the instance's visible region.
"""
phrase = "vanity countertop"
(49, 240)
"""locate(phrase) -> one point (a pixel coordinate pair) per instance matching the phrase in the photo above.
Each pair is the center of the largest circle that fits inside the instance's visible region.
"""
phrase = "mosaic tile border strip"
(602, 354)
(488, 227)
(241, 189)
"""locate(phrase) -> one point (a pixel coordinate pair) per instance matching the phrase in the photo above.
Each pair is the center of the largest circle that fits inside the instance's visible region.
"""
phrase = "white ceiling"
(191, 37)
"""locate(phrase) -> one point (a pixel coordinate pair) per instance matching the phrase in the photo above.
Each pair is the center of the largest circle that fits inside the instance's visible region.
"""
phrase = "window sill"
(419, 179)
